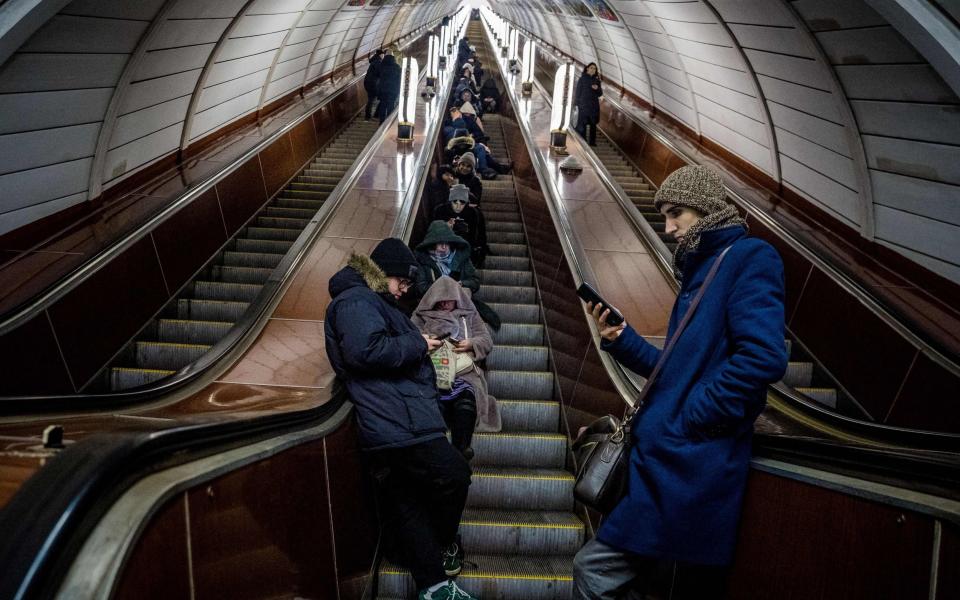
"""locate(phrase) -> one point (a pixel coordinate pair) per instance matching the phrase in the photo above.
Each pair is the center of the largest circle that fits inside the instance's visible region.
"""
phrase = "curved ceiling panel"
(848, 103)
(106, 87)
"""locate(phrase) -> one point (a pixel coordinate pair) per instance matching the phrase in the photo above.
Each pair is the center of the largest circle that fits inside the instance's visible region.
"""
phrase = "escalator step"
(192, 332)
(282, 223)
(529, 415)
(304, 194)
(824, 396)
(521, 532)
(536, 385)
(508, 249)
(799, 374)
(493, 216)
(218, 290)
(514, 294)
(124, 378)
(523, 488)
(507, 263)
(228, 274)
(272, 233)
(313, 205)
(506, 237)
(263, 246)
(311, 187)
(504, 226)
(211, 310)
(517, 334)
(495, 578)
(251, 259)
(517, 313)
(536, 450)
(166, 355)
(290, 213)
(498, 277)
(518, 358)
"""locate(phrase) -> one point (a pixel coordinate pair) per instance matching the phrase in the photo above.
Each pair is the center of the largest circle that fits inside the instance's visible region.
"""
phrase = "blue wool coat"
(691, 453)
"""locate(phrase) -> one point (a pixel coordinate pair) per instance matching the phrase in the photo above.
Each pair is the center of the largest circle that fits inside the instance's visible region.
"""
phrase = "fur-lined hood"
(360, 270)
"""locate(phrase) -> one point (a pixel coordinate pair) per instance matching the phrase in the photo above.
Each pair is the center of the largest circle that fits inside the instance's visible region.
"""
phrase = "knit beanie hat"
(701, 189)
(459, 192)
(469, 158)
(395, 258)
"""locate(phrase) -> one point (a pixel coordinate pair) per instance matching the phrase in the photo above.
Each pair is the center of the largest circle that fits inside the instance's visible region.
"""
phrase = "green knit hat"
(693, 186)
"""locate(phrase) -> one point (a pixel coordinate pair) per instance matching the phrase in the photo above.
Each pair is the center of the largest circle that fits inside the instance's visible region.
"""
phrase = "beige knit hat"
(693, 186)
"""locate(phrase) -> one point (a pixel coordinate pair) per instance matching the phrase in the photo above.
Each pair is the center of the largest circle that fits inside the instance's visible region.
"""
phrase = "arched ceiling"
(851, 103)
(93, 90)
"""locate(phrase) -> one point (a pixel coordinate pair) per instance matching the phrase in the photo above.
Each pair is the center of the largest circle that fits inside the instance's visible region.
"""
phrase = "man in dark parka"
(388, 86)
(691, 447)
(384, 362)
(370, 81)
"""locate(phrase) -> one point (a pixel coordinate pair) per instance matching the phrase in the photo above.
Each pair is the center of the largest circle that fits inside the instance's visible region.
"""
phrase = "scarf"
(445, 262)
(721, 219)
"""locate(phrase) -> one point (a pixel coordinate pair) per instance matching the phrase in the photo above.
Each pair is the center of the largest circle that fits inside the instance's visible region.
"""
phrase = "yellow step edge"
(135, 370)
(495, 575)
(522, 525)
(533, 477)
(547, 402)
(195, 321)
(175, 344)
(534, 435)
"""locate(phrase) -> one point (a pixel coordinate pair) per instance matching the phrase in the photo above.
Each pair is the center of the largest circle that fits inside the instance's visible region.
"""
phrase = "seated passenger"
(458, 211)
(489, 96)
(444, 253)
(447, 309)
(438, 190)
(466, 171)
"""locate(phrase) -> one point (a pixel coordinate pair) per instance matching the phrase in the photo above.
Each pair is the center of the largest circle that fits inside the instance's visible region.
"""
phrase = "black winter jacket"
(587, 98)
(373, 75)
(388, 86)
(461, 270)
(382, 359)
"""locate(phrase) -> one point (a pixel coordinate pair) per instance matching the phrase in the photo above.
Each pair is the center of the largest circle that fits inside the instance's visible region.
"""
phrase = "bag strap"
(672, 341)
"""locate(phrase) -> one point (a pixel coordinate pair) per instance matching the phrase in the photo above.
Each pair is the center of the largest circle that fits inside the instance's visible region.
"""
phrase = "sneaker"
(453, 559)
(451, 591)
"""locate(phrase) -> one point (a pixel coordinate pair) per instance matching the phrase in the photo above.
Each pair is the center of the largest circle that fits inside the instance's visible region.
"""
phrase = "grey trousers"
(601, 572)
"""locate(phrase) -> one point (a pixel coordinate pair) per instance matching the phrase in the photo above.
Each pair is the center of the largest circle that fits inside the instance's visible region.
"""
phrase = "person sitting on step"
(447, 310)
(458, 210)
(444, 253)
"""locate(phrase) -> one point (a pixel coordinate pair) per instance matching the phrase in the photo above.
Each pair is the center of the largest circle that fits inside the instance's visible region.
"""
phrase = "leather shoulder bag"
(602, 450)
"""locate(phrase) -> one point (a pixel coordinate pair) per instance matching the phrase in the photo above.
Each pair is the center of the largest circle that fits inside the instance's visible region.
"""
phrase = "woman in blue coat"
(691, 451)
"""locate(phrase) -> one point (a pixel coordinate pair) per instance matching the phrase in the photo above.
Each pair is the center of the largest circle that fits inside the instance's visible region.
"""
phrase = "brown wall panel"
(99, 316)
(304, 140)
(798, 541)
(278, 164)
(840, 343)
(158, 566)
(263, 531)
(948, 571)
(653, 160)
(928, 399)
(187, 240)
(241, 195)
(31, 361)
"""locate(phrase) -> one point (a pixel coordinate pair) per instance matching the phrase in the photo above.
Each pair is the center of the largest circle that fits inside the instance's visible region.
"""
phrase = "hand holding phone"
(588, 294)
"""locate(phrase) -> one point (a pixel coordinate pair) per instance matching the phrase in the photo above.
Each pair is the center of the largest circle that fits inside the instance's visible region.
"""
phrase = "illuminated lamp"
(512, 51)
(562, 106)
(407, 113)
(529, 55)
(433, 57)
(442, 50)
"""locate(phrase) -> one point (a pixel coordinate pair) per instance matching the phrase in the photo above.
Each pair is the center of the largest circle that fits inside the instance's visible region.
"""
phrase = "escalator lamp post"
(443, 49)
(529, 55)
(505, 41)
(562, 106)
(407, 113)
(512, 51)
(433, 57)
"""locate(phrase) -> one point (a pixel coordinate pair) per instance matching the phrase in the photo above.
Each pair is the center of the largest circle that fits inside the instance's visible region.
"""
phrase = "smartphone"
(588, 294)
(442, 336)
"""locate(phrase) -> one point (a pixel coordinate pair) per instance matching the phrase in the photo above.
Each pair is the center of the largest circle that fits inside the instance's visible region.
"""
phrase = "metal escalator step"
(507, 263)
(495, 577)
(508, 249)
(515, 294)
(500, 206)
(497, 215)
(799, 374)
(263, 260)
(229, 274)
(311, 186)
(521, 532)
(304, 194)
(289, 212)
(505, 277)
(167, 355)
(506, 237)
(330, 161)
(519, 334)
(529, 415)
(321, 171)
(124, 378)
(530, 449)
(282, 223)
(218, 290)
(504, 226)
(536, 385)
(518, 358)
(263, 246)
(825, 396)
(304, 203)
(272, 233)
(523, 488)
(210, 310)
(324, 179)
(192, 332)
(517, 313)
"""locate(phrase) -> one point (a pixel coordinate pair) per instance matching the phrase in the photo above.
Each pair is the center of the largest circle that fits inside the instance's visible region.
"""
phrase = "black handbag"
(602, 450)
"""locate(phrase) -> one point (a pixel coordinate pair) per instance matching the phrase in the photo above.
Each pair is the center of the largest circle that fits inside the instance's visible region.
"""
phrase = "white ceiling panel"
(255, 25)
(26, 188)
(21, 151)
(799, 70)
(934, 162)
(731, 99)
(85, 34)
(840, 201)
(929, 122)
(127, 158)
(874, 44)
(212, 118)
(235, 48)
(830, 164)
(825, 133)
(748, 149)
(45, 110)
(831, 14)
(38, 72)
(144, 122)
(902, 83)
(228, 90)
(233, 69)
(921, 234)
(772, 39)
(923, 197)
(115, 9)
(147, 93)
(206, 9)
(266, 7)
(743, 124)
(164, 62)
(173, 34)
(809, 100)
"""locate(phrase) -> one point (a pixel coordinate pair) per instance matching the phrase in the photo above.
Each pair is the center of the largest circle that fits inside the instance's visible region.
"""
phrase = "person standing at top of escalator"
(384, 362)
(388, 86)
(370, 81)
(587, 101)
(692, 439)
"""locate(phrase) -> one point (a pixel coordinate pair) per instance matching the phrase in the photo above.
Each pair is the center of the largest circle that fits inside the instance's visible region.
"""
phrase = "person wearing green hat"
(691, 447)
(442, 252)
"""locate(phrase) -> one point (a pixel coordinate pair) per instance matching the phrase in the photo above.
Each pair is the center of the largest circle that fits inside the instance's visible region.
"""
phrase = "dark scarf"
(727, 217)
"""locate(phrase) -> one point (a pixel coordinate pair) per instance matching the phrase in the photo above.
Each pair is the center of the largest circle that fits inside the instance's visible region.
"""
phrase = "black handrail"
(49, 517)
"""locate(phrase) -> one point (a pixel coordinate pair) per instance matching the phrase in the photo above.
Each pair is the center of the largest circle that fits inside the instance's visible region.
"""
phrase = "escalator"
(519, 529)
(209, 306)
